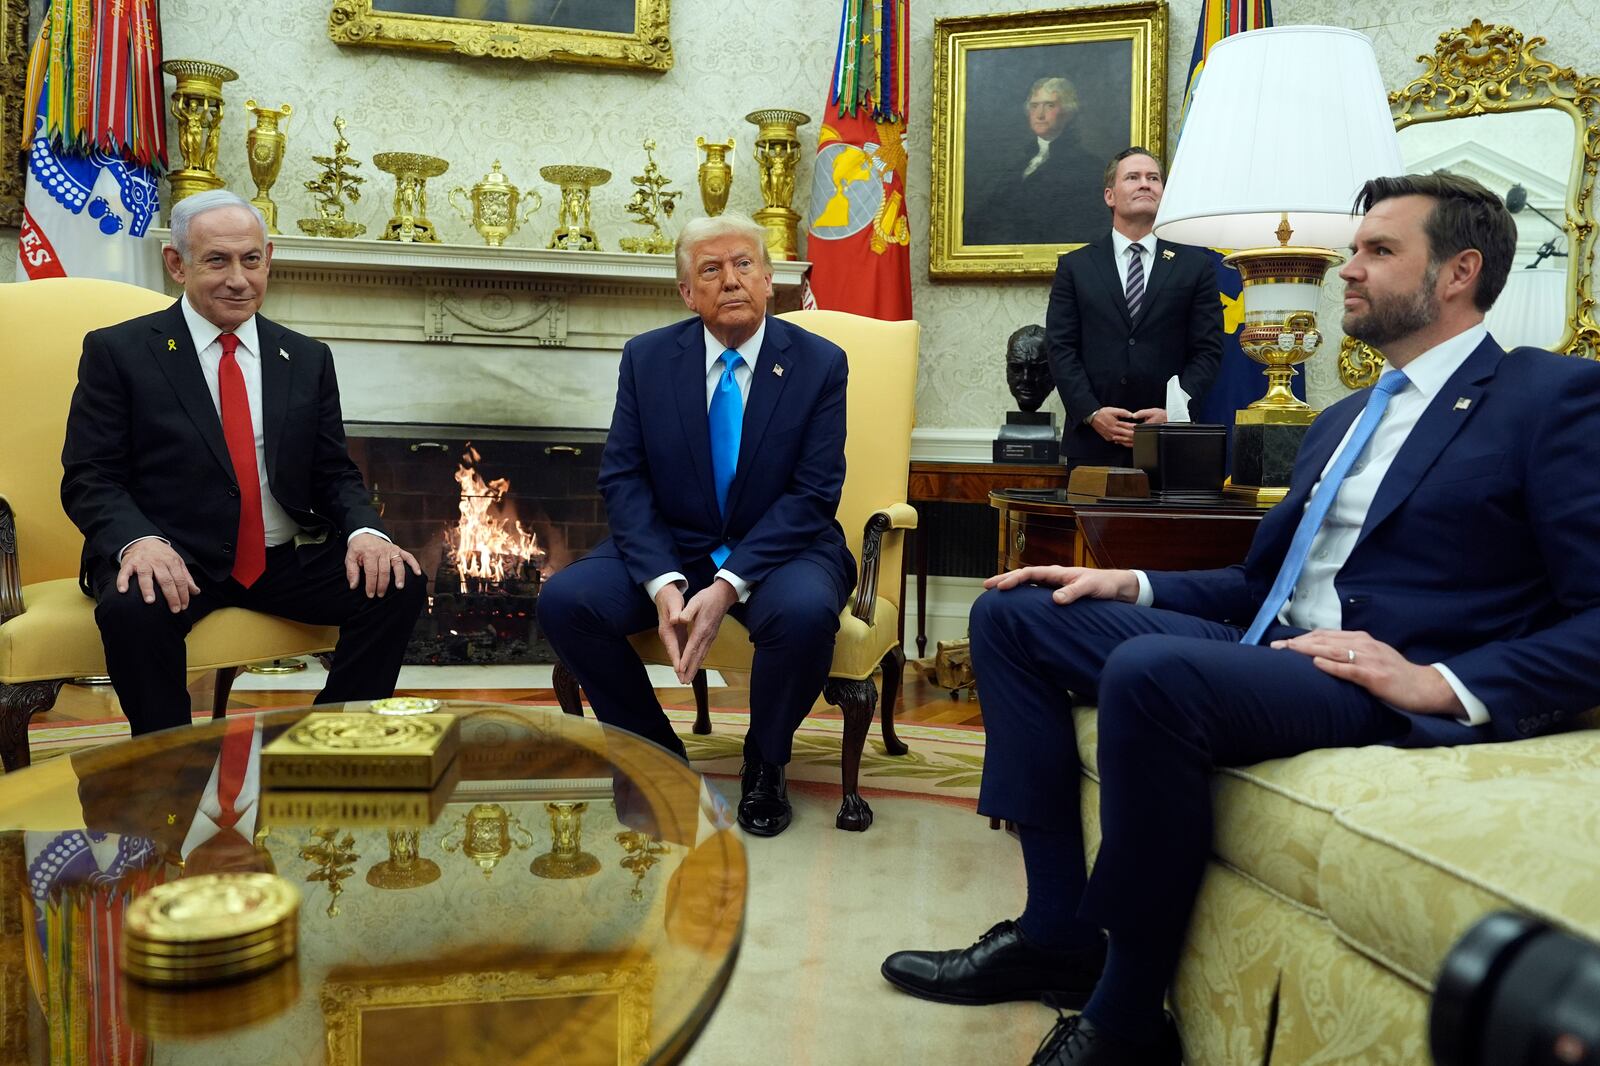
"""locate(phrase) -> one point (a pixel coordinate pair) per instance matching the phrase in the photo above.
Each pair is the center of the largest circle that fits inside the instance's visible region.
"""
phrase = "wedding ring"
(1350, 654)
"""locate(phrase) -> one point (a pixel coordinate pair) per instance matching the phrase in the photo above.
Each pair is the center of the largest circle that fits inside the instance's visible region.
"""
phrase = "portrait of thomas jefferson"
(607, 16)
(1041, 121)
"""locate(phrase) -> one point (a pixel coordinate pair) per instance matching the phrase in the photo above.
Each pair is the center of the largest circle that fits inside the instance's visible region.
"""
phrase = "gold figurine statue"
(197, 107)
(778, 157)
(566, 858)
(264, 145)
(336, 184)
(651, 201)
(573, 232)
(494, 206)
(411, 172)
(716, 175)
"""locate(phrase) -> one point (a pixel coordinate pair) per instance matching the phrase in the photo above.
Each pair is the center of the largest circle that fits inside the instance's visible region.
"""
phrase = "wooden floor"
(920, 699)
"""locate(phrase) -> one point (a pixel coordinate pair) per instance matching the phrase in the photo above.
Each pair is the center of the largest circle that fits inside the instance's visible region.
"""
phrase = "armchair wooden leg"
(18, 703)
(702, 705)
(894, 667)
(856, 699)
(219, 699)
(568, 694)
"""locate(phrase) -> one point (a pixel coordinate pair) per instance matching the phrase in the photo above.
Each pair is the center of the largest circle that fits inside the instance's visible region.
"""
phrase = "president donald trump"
(721, 475)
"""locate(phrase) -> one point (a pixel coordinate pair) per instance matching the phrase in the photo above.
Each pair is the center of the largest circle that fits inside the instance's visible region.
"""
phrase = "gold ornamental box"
(401, 808)
(211, 928)
(333, 750)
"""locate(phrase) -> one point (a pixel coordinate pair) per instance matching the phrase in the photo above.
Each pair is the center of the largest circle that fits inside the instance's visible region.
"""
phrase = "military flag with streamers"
(1239, 381)
(97, 144)
(859, 240)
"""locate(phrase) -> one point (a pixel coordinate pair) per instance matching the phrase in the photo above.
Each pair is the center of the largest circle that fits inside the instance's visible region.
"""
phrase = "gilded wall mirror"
(1487, 107)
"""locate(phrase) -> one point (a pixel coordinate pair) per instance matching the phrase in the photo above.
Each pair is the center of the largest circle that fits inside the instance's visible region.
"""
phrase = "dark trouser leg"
(372, 631)
(587, 611)
(145, 653)
(793, 616)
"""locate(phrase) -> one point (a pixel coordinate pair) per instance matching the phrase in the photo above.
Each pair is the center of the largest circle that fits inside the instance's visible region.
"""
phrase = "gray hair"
(699, 230)
(190, 208)
(1061, 89)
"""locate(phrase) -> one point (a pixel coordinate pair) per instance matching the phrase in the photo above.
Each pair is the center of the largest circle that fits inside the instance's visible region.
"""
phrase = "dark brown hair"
(1465, 215)
(1111, 167)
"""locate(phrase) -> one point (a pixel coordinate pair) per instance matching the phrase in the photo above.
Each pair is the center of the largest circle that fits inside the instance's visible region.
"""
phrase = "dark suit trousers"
(588, 609)
(1177, 696)
(145, 653)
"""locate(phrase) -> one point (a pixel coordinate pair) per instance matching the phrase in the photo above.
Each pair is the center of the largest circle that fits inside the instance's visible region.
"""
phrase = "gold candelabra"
(337, 183)
(650, 203)
(334, 858)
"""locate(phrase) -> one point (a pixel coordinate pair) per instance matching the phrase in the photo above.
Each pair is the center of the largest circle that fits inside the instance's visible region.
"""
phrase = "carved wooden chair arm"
(897, 517)
(10, 573)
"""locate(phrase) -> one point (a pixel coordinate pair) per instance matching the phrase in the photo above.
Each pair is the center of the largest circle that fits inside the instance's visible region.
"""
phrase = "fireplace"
(490, 512)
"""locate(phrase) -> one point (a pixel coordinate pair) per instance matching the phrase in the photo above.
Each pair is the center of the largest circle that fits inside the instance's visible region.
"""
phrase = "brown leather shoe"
(1076, 1041)
(1002, 966)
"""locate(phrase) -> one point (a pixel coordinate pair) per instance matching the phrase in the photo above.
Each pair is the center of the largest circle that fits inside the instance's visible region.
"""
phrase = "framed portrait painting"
(1027, 111)
(611, 33)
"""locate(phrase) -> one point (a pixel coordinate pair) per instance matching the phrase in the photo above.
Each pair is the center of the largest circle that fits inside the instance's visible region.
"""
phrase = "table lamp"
(1285, 126)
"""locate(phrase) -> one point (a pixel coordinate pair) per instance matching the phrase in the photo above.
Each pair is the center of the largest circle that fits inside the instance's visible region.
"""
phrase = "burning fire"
(486, 543)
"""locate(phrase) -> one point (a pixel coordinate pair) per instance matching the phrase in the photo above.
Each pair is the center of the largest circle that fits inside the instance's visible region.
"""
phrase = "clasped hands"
(687, 629)
(1115, 424)
(1375, 666)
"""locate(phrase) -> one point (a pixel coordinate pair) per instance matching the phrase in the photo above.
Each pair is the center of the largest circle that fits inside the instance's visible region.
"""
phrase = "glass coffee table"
(567, 893)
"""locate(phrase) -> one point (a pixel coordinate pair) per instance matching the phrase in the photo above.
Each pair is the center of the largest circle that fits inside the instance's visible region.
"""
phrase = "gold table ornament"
(492, 206)
(411, 172)
(337, 183)
(642, 852)
(197, 107)
(405, 867)
(651, 202)
(778, 157)
(333, 859)
(361, 751)
(215, 927)
(573, 231)
(716, 175)
(566, 858)
(486, 836)
(264, 145)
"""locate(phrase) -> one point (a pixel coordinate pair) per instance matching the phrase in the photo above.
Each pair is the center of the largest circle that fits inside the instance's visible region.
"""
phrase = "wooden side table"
(961, 483)
(1045, 528)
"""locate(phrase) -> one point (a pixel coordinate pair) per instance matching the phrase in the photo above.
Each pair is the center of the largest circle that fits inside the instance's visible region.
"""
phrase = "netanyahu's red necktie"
(239, 432)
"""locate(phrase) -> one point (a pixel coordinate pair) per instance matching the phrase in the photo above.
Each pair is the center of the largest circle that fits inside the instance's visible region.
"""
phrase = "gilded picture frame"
(607, 33)
(1003, 205)
(13, 123)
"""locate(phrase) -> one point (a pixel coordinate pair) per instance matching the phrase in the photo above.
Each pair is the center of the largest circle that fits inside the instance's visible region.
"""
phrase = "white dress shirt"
(1314, 602)
(743, 375)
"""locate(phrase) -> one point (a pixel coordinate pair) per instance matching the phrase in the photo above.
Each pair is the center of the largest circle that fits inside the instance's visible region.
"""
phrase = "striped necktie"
(1294, 560)
(1135, 292)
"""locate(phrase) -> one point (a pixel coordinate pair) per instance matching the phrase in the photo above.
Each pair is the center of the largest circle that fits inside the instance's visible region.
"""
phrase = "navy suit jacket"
(1481, 550)
(655, 475)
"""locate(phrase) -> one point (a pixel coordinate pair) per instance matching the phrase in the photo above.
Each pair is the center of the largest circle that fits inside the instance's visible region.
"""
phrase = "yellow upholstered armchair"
(48, 634)
(880, 406)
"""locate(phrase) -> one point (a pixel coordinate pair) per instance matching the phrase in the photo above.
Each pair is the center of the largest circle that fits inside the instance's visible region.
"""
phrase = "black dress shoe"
(1076, 1041)
(1000, 967)
(763, 800)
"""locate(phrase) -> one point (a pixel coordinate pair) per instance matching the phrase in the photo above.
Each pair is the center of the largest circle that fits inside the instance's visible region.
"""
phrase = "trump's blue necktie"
(727, 421)
(1295, 559)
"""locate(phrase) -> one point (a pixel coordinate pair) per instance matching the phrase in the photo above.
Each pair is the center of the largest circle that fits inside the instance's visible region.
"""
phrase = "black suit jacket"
(1061, 202)
(145, 455)
(1102, 357)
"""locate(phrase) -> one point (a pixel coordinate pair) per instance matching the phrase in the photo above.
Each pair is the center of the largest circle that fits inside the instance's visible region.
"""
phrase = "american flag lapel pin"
(1463, 403)
(778, 370)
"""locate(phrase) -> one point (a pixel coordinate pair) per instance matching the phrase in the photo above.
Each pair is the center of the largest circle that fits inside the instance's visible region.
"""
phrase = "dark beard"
(1388, 318)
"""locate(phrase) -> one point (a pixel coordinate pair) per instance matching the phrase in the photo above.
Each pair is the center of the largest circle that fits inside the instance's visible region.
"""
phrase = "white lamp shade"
(1290, 119)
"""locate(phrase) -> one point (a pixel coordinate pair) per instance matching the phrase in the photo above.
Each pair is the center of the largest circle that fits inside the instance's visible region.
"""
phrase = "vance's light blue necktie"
(727, 421)
(1295, 559)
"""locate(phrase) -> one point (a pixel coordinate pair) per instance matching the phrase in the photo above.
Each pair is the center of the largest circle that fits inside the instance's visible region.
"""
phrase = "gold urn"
(264, 145)
(411, 172)
(716, 175)
(197, 107)
(492, 207)
(778, 157)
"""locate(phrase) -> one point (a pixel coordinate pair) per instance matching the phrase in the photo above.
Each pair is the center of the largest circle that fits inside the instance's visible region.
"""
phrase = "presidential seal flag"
(97, 143)
(859, 240)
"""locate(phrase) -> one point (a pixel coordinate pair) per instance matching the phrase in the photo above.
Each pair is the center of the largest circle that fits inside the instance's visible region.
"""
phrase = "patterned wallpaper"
(731, 59)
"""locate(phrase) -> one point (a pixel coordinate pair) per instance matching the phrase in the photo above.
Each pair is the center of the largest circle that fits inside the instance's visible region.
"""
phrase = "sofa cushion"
(1404, 877)
(1273, 818)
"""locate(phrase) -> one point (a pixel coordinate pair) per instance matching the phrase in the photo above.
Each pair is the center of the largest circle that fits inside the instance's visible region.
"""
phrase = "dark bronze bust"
(1027, 369)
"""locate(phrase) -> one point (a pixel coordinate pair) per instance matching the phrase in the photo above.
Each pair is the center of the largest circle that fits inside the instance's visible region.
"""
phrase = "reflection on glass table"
(566, 893)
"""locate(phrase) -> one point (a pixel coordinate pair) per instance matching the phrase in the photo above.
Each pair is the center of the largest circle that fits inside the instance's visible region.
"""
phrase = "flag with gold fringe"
(98, 142)
(859, 240)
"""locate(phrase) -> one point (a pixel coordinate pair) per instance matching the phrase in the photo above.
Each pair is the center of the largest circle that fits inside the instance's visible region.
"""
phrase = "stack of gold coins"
(216, 927)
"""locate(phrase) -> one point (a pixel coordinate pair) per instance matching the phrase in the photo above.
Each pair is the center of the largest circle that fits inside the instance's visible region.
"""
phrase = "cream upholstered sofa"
(1340, 879)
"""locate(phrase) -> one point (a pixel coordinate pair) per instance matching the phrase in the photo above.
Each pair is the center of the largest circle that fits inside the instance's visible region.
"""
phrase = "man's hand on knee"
(703, 616)
(156, 565)
(380, 560)
(669, 622)
(1072, 582)
(1361, 659)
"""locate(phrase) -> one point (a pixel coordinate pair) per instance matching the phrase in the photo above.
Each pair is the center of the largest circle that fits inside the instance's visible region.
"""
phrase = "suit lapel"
(174, 353)
(771, 374)
(689, 383)
(1437, 427)
(276, 372)
(1104, 259)
(1156, 276)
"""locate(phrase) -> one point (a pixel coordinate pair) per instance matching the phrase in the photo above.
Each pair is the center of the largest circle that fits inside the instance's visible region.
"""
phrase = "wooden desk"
(1040, 530)
(961, 483)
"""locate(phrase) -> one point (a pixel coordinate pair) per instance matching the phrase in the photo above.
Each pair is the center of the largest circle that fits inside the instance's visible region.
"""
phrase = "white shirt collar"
(205, 332)
(1429, 371)
(1119, 246)
(1044, 145)
(749, 349)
